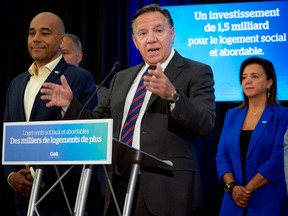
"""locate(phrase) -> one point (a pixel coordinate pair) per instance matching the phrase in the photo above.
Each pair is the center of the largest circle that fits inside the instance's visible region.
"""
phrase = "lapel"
(56, 73)
(22, 87)
(123, 86)
(131, 77)
(261, 125)
(172, 71)
(237, 121)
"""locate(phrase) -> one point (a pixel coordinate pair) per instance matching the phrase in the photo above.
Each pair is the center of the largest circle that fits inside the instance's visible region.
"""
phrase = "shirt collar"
(33, 70)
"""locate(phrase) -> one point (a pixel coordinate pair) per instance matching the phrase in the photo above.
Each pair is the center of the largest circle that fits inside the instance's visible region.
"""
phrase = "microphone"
(116, 65)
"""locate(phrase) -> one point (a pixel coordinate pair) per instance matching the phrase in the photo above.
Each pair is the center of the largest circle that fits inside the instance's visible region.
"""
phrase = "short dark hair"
(269, 70)
(153, 8)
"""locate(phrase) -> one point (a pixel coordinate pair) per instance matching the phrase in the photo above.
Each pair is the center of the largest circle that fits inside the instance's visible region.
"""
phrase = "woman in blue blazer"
(250, 151)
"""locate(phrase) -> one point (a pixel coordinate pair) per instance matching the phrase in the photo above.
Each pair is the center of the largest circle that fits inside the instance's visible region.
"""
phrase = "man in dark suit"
(179, 106)
(23, 103)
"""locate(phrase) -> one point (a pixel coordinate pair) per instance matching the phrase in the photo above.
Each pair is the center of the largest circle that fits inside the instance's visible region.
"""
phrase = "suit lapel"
(22, 87)
(172, 71)
(173, 68)
(237, 122)
(122, 89)
(57, 72)
(262, 123)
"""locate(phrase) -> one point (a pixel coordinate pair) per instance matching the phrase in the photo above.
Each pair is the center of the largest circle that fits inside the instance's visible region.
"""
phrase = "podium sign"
(58, 142)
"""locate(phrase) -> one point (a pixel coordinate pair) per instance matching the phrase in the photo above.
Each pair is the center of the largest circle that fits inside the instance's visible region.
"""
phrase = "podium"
(91, 150)
(123, 154)
(65, 142)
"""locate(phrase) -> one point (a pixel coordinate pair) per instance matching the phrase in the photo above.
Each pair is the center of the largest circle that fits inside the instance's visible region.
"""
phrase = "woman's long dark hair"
(269, 70)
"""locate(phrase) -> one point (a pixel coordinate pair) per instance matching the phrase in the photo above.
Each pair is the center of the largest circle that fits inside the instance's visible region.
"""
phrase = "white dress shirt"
(38, 77)
(129, 98)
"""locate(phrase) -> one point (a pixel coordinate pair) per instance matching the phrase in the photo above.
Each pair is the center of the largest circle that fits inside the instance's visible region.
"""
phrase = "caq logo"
(54, 154)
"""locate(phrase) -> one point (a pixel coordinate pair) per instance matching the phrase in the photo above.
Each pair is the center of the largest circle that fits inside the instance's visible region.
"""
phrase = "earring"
(268, 92)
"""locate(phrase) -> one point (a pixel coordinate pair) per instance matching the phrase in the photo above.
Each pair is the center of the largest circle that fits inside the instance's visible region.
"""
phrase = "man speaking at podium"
(178, 106)
(23, 103)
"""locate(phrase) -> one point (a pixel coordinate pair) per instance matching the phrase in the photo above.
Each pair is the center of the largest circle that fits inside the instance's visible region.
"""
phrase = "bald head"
(50, 19)
(45, 36)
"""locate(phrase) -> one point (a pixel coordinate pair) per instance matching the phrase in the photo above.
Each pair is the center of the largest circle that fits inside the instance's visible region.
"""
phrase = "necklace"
(256, 112)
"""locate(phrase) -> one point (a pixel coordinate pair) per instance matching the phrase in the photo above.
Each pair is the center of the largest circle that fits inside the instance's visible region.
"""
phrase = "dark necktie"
(129, 125)
(136, 104)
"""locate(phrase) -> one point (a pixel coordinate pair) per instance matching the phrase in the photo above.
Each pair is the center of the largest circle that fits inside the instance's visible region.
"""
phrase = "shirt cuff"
(9, 181)
(64, 109)
(172, 106)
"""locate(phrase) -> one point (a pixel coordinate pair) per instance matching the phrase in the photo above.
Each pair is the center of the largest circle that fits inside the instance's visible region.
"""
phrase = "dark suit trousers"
(120, 187)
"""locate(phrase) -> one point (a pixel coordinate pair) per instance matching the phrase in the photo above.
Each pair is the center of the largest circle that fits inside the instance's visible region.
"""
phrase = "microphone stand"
(114, 68)
(87, 170)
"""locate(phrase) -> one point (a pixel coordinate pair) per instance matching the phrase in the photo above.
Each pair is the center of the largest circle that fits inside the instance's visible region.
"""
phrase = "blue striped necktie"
(136, 104)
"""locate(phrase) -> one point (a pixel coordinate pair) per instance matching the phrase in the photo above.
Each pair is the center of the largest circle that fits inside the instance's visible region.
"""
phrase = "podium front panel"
(58, 142)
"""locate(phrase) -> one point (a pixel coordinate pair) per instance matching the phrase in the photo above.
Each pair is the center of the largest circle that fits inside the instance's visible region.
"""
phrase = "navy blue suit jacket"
(83, 86)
